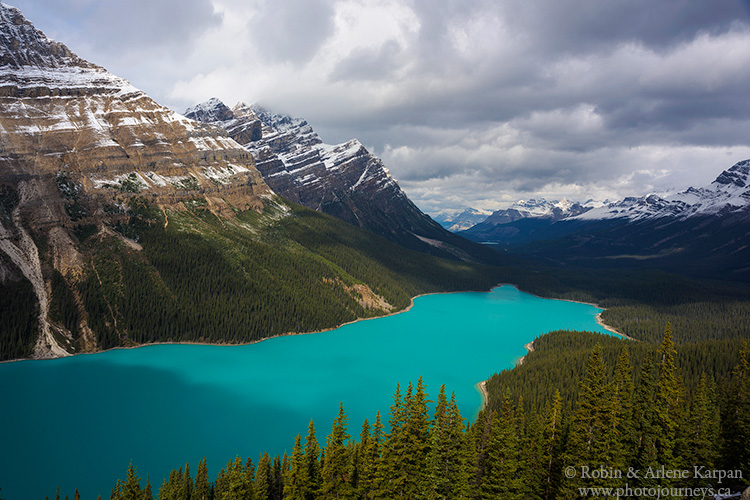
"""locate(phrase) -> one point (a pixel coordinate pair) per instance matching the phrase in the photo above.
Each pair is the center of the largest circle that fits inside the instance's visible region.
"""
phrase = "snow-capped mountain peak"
(729, 193)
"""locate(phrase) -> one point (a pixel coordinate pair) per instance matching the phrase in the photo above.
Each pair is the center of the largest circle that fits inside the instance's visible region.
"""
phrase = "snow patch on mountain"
(459, 220)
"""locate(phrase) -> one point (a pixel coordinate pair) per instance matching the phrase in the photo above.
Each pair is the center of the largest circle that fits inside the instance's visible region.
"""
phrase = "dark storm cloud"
(590, 25)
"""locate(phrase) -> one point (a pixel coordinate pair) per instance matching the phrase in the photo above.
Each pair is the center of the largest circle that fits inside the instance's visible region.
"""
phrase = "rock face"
(343, 180)
(78, 143)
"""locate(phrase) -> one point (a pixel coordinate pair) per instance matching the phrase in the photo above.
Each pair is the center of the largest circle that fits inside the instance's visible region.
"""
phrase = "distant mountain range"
(459, 220)
(700, 231)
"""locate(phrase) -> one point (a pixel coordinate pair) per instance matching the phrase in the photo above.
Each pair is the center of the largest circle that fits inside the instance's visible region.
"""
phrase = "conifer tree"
(130, 489)
(669, 405)
(371, 460)
(312, 459)
(278, 473)
(359, 458)
(390, 479)
(480, 437)
(531, 446)
(702, 438)
(735, 422)
(250, 479)
(416, 442)
(552, 439)
(645, 427)
(231, 484)
(588, 433)
(188, 485)
(263, 478)
(297, 485)
(503, 463)
(335, 482)
(620, 437)
(447, 458)
(202, 485)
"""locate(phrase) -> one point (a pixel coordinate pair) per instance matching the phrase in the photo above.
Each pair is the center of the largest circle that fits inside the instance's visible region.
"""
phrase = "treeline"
(619, 423)
(639, 302)
(558, 363)
(693, 321)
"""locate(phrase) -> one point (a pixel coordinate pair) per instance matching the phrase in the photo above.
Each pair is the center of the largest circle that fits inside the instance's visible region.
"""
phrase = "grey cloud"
(368, 64)
(590, 25)
(144, 24)
(292, 30)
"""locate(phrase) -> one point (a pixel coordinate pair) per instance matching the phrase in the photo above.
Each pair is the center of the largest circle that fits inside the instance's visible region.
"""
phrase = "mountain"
(456, 220)
(343, 180)
(123, 223)
(700, 231)
(541, 208)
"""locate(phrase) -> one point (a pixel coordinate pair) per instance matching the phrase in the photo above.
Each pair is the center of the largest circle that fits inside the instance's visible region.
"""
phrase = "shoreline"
(598, 317)
(226, 344)
(529, 348)
(482, 386)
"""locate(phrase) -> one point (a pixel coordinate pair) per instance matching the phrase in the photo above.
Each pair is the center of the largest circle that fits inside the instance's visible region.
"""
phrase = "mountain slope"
(122, 222)
(343, 180)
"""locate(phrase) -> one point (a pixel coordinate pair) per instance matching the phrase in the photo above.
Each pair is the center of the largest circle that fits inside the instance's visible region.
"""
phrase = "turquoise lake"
(78, 421)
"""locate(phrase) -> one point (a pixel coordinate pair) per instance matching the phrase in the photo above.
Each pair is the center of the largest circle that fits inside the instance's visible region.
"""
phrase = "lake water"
(78, 421)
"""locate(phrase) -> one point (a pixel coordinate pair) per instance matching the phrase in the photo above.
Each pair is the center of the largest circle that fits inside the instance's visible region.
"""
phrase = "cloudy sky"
(469, 102)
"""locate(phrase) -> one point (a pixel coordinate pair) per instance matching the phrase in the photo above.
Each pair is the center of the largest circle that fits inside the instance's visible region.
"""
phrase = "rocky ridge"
(540, 208)
(77, 144)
